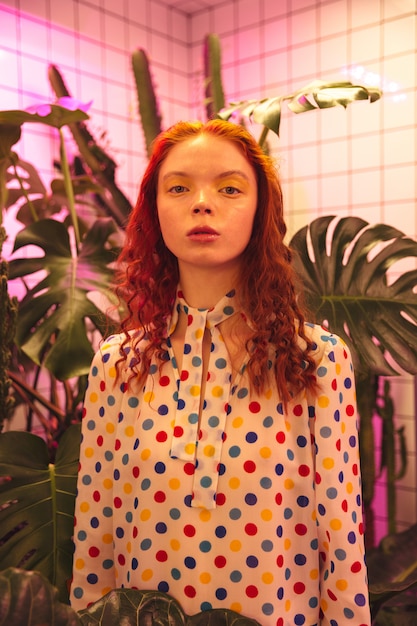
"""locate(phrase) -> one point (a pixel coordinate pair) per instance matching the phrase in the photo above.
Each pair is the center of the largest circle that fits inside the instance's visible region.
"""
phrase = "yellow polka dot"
(205, 578)
(110, 428)
(112, 372)
(314, 574)
(190, 448)
(127, 488)
(209, 450)
(265, 452)
(237, 422)
(107, 483)
(323, 402)
(195, 390)
(93, 396)
(287, 544)
(148, 397)
(205, 515)
(145, 454)
(267, 578)
(343, 427)
(84, 507)
(287, 426)
(324, 605)
(349, 487)
(341, 585)
(235, 545)
(89, 452)
(175, 544)
(174, 483)
(335, 524)
(234, 483)
(79, 563)
(268, 394)
(199, 333)
(129, 431)
(338, 368)
(289, 483)
(217, 391)
(326, 545)
(287, 605)
(106, 590)
(129, 547)
(107, 538)
(328, 463)
(266, 515)
(145, 515)
(147, 574)
(236, 607)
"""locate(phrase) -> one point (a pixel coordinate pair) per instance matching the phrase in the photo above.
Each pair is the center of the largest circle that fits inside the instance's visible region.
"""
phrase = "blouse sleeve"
(93, 569)
(343, 575)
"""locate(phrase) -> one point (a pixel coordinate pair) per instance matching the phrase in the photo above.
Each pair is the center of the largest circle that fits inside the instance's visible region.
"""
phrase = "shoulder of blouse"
(324, 341)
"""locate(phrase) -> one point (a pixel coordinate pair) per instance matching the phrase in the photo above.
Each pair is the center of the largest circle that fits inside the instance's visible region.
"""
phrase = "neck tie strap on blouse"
(201, 444)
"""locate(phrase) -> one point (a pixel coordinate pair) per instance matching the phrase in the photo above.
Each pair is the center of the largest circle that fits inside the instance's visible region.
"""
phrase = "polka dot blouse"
(256, 509)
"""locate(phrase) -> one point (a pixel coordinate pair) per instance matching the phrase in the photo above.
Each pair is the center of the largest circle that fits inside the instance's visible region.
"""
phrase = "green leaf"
(37, 505)
(317, 94)
(147, 100)
(51, 114)
(54, 314)
(28, 599)
(343, 266)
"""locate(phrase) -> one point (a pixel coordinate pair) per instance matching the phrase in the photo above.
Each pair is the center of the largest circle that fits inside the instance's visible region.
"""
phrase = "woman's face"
(206, 202)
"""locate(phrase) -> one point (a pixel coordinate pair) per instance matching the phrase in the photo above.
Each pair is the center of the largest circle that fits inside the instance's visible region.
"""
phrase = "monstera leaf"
(343, 268)
(37, 505)
(315, 95)
(53, 315)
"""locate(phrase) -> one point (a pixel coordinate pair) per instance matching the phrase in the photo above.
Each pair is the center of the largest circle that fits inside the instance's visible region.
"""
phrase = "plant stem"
(69, 188)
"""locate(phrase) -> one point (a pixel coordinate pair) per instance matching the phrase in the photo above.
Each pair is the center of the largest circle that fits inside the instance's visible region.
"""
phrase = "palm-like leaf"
(343, 267)
(52, 318)
(316, 95)
(37, 504)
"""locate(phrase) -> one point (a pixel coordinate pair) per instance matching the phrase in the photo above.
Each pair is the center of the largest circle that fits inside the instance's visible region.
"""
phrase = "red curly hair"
(148, 272)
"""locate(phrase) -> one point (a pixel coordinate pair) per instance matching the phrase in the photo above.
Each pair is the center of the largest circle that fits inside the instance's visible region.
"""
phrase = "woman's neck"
(203, 289)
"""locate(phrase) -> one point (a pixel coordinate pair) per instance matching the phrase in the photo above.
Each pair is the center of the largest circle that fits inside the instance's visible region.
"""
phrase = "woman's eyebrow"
(219, 176)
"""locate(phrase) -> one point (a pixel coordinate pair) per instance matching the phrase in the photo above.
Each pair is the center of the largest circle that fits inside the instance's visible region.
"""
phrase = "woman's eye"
(177, 189)
(230, 191)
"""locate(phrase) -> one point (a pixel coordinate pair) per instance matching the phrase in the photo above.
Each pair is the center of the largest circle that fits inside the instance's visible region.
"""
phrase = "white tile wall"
(360, 162)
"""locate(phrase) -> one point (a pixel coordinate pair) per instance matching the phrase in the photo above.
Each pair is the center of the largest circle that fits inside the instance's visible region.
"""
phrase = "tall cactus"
(147, 101)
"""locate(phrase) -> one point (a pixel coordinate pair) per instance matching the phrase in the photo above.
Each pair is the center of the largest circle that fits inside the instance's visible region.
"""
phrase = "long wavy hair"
(148, 273)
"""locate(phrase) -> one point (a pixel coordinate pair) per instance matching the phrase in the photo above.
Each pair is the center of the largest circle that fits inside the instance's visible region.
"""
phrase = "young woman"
(219, 459)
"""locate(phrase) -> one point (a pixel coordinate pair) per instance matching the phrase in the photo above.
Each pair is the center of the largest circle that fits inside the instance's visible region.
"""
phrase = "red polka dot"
(93, 551)
(100, 441)
(190, 320)
(280, 437)
(345, 506)
(117, 444)
(161, 436)
(184, 375)
(189, 530)
(251, 591)
(350, 410)
(280, 560)
(356, 567)
(159, 496)
(117, 503)
(164, 381)
(300, 529)
(304, 470)
(318, 478)
(161, 556)
(298, 410)
(299, 588)
(220, 561)
(136, 471)
(251, 529)
(135, 532)
(338, 445)
(189, 469)
(355, 469)
(278, 498)
(178, 431)
(220, 499)
(334, 384)
(249, 467)
(254, 407)
(102, 385)
(96, 496)
(331, 595)
(189, 591)
(121, 559)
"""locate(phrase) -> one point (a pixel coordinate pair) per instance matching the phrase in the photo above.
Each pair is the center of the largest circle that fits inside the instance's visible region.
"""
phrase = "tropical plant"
(344, 266)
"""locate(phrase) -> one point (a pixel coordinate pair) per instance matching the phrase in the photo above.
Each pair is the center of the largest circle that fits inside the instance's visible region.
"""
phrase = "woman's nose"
(202, 204)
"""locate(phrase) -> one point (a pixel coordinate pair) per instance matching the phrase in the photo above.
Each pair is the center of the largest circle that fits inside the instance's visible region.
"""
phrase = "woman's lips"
(203, 234)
